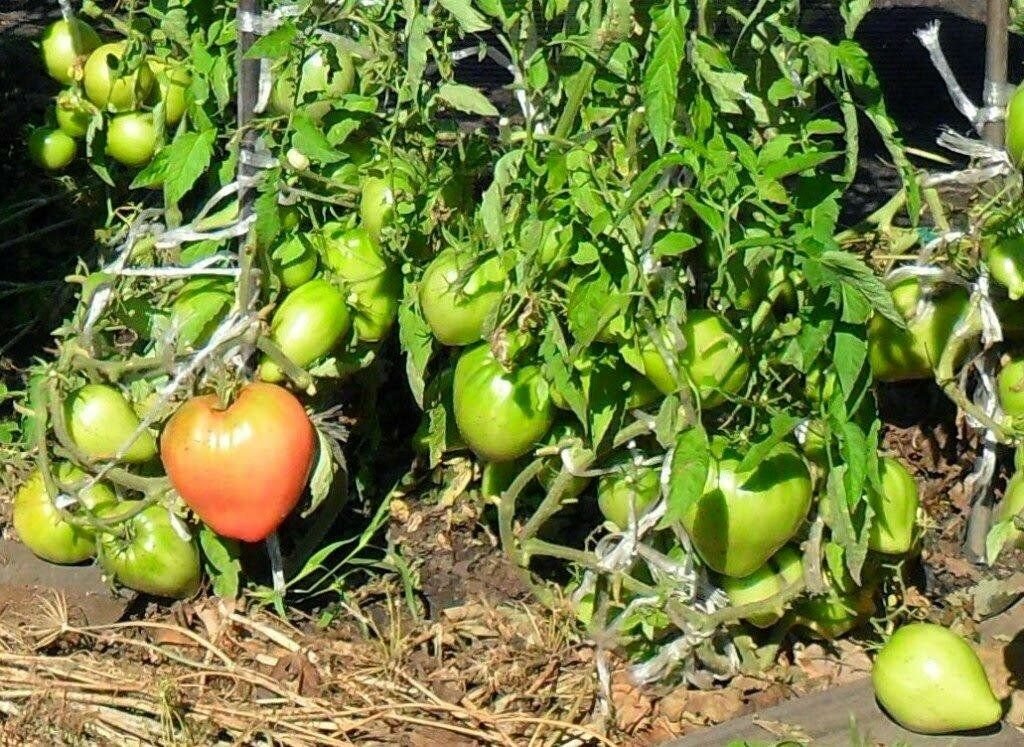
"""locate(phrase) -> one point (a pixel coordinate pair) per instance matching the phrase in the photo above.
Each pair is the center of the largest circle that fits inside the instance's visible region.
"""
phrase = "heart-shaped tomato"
(241, 469)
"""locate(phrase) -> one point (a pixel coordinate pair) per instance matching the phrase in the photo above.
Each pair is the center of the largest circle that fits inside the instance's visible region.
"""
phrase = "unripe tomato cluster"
(114, 88)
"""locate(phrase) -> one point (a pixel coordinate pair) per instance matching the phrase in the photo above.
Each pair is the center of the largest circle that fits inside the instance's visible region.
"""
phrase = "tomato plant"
(198, 309)
(373, 284)
(930, 680)
(42, 528)
(376, 205)
(745, 516)
(895, 509)
(501, 414)
(783, 569)
(458, 293)
(51, 148)
(242, 468)
(627, 491)
(72, 114)
(100, 421)
(307, 325)
(294, 260)
(148, 553)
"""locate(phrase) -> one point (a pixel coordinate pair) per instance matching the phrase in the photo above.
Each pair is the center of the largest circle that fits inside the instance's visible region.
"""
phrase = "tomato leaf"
(688, 470)
(222, 562)
(417, 342)
(492, 205)
(468, 19)
(661, 78)
(467, 99)
(275, 44)
(322, 477)
(782, 424)
(311, 141)
(188, 157)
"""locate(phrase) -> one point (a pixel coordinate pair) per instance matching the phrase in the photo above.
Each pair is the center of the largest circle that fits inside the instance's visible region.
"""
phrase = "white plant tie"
(991, 161)
(929, 38)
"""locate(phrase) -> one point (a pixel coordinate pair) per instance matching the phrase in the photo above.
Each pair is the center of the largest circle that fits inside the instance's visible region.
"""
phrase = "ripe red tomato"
(241, 469)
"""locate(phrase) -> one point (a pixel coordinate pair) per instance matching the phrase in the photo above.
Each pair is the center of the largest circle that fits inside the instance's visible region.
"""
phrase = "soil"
(448, 645)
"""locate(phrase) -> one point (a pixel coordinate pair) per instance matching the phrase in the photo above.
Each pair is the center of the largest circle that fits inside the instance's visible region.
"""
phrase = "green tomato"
(51, 148)
(198, 310)
(743, 518)
(147, 554)
(62, 51)
(457, 294)
(374, 285)
(105, 88)
(294, 261)
(1005, 260)
(173, 79)
(307, 325)
(502, 415)
(100, 421)
(73, 115)
(1010, 384)
(913, 353)
(895, 509)
(497, 477)
(290, 217)
(628, 490)
(713, 358)
(1011, 505)
(782, 570)
(1015, 127)
(328, 73)
(42, 528)
(931, 682)
(376, 205)
(132, 139)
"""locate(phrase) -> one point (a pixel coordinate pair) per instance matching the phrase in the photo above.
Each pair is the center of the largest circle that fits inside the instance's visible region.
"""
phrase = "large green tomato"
(913, 353)
(199, 308)
(895, 508)
(72, 114)
(713, 358)
(627, 490)
(147, 554)
(376, 205)
(51, 148)
(1010, 384)
(501, 414)
(294, 260)
(307, 325)
(172, 83)
(100, 421)
(327, 73)
(61, 50)
(374, 285)
(132, 139)
(457, 294)
(930, 681)
(105, 88)
(782, 570)
(42, 528)
(743, 518)
(1015, 127)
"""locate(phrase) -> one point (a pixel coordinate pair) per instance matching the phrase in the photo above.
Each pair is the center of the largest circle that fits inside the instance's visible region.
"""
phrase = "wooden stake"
(996, 52)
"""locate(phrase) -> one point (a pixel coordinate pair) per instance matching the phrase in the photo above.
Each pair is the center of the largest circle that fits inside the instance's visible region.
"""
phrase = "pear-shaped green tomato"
(42, 528)
(628, 490)
(373, 284)
(63, 44)
(1005, 260)
(895, 509)
(457, 294)
(712, 357)
(294, 261)
(1010, 383)
(101, 421)
(501, 414)
(743, 518)
(901, 355)
(931, 682)
(376, 205)
(1015, 127)
(72, 114)
(782, 570)
(307, 325)
(104, 87)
